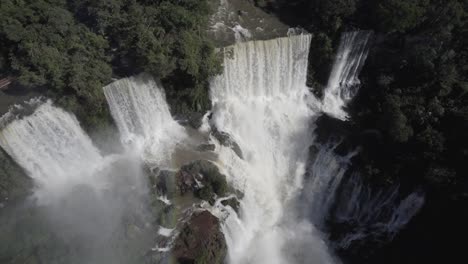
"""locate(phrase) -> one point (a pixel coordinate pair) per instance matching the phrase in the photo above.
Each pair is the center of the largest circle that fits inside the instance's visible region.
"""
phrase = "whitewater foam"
(53, 149)
(139, 108)
(262, 101)
(343, 82)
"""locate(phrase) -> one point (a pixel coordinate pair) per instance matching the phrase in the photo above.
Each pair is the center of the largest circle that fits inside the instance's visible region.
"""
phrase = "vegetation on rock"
(200, 241)
(212, 182)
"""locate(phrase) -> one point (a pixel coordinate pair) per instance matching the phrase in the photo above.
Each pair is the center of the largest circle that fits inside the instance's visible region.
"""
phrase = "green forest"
(74, 48)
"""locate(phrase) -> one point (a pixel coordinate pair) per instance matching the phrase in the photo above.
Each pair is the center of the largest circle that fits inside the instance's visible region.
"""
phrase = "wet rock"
(203, 178)
(226, 140)
(330, 129)
(192, 119)
(200, 241)
(233, 203)
(206, 147)
(162, 183)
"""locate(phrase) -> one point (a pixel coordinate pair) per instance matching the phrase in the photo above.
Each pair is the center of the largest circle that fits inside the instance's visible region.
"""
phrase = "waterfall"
(350, 201)
(138, 106)
(51, 146)
(323, 178)
(85, 198)
(263, 70)
(343, 81)
(370, 212)
(262, 101)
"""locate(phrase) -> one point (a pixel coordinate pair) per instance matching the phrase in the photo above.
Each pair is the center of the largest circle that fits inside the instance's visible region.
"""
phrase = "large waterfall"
(138, 106)
(53, 149)
(261, 100)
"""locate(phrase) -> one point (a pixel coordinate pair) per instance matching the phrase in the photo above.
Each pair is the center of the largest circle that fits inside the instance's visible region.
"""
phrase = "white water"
(343, 81)
(262, 101)
(241, 34)
(323, 178)
(138, 106)
(368, 212)
(373, 212)
(51, 146)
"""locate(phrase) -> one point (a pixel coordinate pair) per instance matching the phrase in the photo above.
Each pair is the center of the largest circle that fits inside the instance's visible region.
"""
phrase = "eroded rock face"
(200, 241)
(226, 140)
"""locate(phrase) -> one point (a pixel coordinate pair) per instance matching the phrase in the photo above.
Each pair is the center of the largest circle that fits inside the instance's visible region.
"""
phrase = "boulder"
(203, 178)
(200, 241)
(226, 140)
(233, 203)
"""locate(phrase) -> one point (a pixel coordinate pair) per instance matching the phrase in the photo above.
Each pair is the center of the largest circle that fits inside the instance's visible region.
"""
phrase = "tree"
(401, 15)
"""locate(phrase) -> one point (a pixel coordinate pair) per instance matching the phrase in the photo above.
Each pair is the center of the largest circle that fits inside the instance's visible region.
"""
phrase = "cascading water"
(343, 81)
(142, 114)
(322, 180)
(371, 212)
(86, 199)
(53, 149)
(262, 101)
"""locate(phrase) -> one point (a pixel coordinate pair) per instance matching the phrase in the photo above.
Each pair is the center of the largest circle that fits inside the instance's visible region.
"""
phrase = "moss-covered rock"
(200, 241)
(203, 178)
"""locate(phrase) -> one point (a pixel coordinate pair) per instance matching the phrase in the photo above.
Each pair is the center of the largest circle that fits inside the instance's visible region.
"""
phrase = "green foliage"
(332, 12)
(320, 62)
(205, 193)
(214, 183)
(166, 39)
(73, 47)
(421, 82)
(395, 121)
(47, 47)
(439, 175)
(399, 16)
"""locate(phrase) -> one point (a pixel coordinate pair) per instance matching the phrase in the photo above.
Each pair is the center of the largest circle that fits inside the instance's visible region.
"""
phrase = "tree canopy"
(75, 47)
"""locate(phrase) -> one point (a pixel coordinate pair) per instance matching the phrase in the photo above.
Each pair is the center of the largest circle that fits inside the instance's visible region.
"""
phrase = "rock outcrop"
(200, 241)
(226, 140)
